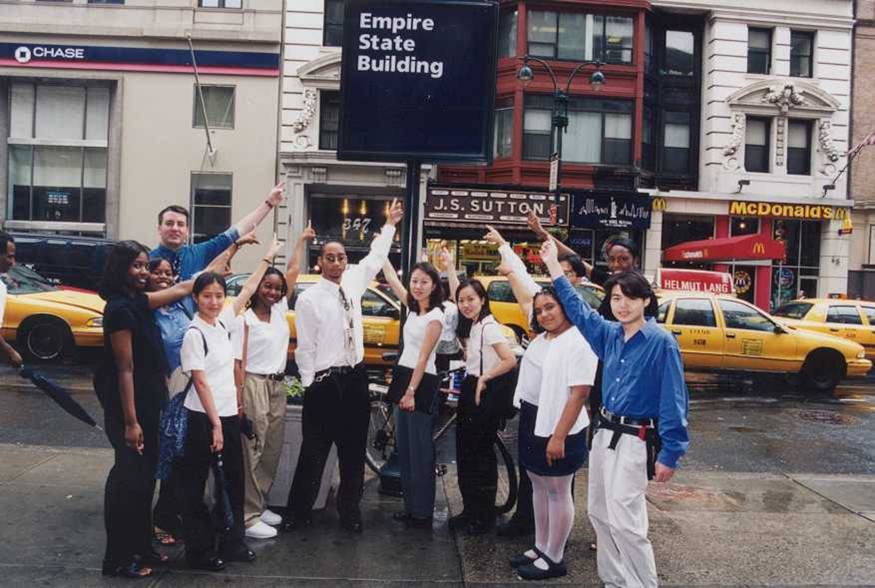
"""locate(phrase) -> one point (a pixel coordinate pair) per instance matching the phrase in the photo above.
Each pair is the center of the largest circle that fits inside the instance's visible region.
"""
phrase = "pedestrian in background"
(7, 260)
(130, 384)
(264, 347)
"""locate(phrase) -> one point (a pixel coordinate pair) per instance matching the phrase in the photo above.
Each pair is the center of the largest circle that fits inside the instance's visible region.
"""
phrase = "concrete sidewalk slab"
(15, 461)
(854, 493)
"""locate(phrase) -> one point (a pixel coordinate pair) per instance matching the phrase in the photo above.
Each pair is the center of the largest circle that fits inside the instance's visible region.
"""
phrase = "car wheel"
(44, 338)
(823, 370)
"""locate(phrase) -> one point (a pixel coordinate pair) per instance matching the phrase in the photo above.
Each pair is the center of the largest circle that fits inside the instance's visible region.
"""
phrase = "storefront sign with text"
(593, 210)
(694, 280)
(795, 211)
(492, 206)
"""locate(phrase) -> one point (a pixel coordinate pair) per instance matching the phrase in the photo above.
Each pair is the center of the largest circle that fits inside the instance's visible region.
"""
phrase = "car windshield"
(23, 280)
(793, 310)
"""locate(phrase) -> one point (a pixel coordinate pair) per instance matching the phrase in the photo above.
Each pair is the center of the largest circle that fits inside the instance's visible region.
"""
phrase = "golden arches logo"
(659, 204)
(759, 248)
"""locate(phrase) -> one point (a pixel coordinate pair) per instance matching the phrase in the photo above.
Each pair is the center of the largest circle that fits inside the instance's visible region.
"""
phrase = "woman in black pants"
(130, 384)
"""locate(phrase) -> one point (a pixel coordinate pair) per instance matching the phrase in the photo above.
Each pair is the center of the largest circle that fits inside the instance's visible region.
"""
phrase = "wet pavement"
(778, 488)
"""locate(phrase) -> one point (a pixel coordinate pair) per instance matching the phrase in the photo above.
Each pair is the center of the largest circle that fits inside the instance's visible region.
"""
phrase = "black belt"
(644, 429)
(341, 370)
(274, 377)
(622, 420)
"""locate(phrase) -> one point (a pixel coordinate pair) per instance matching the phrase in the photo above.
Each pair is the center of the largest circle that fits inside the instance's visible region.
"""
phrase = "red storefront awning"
(745, 247)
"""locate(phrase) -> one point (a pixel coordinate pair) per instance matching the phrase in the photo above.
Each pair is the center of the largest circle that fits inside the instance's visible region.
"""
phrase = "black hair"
(114, 278)
(621, 241)
(436, 298)
(464, 327)
(154, 263)
(327, 243)
(172, 208)
(545, 291)
(634, 285)
(271, 271)
(575, 262)
(5, 239)
(207, 278)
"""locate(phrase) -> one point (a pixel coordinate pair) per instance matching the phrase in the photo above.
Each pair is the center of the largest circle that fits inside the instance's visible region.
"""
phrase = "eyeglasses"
(340, 258)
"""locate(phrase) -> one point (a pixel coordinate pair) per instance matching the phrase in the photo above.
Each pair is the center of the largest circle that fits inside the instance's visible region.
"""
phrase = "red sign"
(694, 280)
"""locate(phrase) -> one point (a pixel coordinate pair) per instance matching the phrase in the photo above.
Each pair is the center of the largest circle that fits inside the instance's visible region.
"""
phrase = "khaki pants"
(265, 405)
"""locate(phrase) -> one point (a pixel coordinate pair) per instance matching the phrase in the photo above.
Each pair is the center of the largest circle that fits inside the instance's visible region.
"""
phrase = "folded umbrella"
(222, 497)
(61, 397)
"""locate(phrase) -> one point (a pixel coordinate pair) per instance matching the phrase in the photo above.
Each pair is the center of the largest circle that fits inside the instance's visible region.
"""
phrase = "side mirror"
(779, 330)
(392, 313)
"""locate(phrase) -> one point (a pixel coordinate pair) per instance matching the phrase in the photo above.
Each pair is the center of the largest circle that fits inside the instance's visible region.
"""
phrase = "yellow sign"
(798, 211)
(659, 204)
(759, 247)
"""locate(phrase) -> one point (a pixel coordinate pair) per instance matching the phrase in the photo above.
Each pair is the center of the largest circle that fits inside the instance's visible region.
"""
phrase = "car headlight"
(95, 322)
(861, 355)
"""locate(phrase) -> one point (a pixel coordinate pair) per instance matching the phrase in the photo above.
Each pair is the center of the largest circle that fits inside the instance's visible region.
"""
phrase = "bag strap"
(190, 382)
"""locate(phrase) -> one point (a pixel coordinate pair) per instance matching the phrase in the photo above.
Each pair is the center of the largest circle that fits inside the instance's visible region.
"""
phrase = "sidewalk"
(707, 528)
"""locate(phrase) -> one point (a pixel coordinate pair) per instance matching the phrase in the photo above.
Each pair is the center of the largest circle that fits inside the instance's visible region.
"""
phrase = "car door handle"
(730, 335)
(674, 332)
(835, 330)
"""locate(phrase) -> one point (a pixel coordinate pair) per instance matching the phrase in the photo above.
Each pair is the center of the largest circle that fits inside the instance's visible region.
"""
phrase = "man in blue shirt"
(643, 392)
(187, 260)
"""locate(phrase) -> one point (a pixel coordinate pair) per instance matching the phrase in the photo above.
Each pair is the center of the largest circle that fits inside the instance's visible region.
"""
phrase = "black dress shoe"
(460, 521)
(419, 522)
(352, 525)
(533, 572)
(479, 527)
(131, 570)
(290, 524)
(210, 563)
(518, 561)
(242, 553)
(514, 528)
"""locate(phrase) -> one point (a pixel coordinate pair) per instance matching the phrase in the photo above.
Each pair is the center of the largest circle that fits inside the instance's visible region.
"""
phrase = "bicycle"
(381, 438)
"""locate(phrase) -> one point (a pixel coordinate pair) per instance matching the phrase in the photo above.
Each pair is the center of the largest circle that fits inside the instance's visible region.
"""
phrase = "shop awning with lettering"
(744, 247)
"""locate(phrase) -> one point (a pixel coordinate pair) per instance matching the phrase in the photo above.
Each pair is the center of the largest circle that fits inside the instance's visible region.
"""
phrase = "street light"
(560, 103)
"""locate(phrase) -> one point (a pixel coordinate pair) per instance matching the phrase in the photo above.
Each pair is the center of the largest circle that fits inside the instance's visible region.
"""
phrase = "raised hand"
(396, 213)
(308, 234)
(446, 259)
(494, 237)
(549, 253)
(535, 226)
(275, 248)
(247, 239)
(276, 196)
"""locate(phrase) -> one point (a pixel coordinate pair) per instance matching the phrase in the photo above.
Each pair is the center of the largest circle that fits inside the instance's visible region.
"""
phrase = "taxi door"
(844, 320)
(868, 340)
(693, 323)
(753, 341)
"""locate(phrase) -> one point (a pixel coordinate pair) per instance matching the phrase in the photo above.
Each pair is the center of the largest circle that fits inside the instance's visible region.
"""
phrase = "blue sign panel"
(418, 80)
(615, 210)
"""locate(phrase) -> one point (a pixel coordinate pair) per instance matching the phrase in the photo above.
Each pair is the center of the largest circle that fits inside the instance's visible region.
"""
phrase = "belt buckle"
(321, 377)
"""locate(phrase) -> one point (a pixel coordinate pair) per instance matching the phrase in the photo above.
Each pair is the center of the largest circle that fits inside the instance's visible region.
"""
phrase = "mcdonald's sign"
(759, 247)
(659, 205)
(794, 211)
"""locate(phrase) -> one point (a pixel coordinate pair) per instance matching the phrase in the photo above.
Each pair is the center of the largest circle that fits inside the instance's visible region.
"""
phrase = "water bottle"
(455, 386)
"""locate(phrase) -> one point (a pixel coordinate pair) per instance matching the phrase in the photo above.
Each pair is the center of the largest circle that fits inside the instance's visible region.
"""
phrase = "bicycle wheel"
(381, 433)
(508, 484)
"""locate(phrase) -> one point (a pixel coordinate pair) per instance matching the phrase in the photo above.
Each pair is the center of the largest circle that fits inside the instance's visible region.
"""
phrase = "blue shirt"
(643, 377)
(173, 321)
(190, 259)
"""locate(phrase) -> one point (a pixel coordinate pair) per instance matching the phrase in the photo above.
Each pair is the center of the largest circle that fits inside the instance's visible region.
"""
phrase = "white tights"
(554, 515)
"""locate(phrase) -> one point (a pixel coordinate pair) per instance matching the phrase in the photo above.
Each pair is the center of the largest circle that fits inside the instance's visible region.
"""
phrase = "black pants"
(336, 411)
(199, 529)
(475, 454)
(130, 485)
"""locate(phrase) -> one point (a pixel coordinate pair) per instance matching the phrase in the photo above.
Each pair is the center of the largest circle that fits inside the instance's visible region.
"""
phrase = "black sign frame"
(351, 146)
(604, 207)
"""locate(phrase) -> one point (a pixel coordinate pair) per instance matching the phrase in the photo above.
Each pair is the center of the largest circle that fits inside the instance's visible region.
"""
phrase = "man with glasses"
(330, 354)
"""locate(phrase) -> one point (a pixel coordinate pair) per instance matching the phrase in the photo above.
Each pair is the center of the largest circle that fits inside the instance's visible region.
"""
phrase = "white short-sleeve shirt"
(414, 335)
(268, 345)
(489, 331)
(2, 300)
(217, 363)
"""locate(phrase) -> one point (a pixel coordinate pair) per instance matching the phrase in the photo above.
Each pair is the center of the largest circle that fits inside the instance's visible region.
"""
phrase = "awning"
(745, 247)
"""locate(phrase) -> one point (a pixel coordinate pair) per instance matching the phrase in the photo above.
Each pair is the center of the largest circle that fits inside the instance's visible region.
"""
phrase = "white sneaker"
(271, 518)
(260, 531)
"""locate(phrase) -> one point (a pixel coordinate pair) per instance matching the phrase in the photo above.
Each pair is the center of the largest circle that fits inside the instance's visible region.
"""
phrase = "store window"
(503, 138)
(797, 274)
(354, 220)
(220, 3)
(332, 31)
(329, 119)
(219, 103)
(756, 145)
(676, 143)
(507, 31)
(210, 204)
(799, 147)
(801, 53)
(743, 225)
(759, 50)
(580, 37)
(680, 53)
(57, 149)
(680, 228)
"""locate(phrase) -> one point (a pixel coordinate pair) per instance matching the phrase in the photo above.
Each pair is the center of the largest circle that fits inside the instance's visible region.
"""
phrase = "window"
(676, 143)
(57, 150)
(743, 225)
(794, 310)
(845, 315)
(679, 228)
(740, 316)
(801, 51)
(870, 314)
(220, 3)
(219, 102)
(106, 1)
(759, 51)
(507, 34)
(374, 305)
(695, 312)
(648, 48)
(332, 35)
(647, 158)
(503, 139)
(537, 129)
(578, 36)
(799, 147)
(756, 145)
(500, 291)
(210, 204)
(329, 119)
(679, 53)
(662, 311)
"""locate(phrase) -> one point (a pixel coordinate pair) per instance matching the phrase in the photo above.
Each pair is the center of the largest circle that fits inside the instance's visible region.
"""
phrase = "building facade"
(105, 125)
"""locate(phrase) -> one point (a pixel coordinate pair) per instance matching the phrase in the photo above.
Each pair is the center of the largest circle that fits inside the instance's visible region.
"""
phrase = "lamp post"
(559, 121)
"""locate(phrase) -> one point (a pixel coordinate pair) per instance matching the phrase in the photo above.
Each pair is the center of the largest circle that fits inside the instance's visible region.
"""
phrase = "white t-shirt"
(491, 334)
(2, 300)
(549, 369)
(268, 346)
(414, 335)
(217, 364)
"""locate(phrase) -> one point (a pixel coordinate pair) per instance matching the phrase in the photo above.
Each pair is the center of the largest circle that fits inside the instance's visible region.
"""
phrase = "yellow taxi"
(507, 311)
(721, 332)
(850, 319)
(46, 322)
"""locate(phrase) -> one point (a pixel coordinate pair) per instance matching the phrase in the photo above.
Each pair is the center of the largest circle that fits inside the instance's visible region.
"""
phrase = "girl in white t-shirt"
(263, 347)
(487, 356)
(414, 420)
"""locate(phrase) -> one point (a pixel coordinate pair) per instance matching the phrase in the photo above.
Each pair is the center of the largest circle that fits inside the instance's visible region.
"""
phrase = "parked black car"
(68, 260)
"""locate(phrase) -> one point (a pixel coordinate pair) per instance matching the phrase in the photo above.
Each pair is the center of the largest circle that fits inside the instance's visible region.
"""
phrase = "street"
(777, 488)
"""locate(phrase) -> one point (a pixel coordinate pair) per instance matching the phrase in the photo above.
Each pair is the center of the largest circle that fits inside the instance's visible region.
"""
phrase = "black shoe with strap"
(533, 572)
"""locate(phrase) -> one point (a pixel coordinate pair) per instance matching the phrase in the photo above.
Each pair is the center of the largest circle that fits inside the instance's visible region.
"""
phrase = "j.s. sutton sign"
(498, 207)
